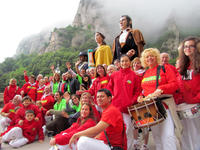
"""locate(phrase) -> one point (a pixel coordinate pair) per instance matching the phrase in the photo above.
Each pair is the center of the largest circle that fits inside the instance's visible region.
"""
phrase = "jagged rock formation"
(54, 42)
(88, 14)
(173, 40)
(33, 43)
(91, 14)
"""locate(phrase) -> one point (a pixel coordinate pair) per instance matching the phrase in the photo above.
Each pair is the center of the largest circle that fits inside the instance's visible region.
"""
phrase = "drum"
(145, 114)
(188, 110)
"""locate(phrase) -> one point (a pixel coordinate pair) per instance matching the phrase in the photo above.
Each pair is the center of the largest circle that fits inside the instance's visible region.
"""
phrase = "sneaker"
(136, 145)
(144, 147)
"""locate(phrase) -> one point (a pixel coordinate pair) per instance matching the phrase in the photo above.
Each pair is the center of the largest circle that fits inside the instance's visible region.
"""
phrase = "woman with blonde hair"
(136, 66)
(154, 84)
(11, 90)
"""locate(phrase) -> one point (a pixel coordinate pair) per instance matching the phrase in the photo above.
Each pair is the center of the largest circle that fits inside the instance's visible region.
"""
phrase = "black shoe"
(50, 133)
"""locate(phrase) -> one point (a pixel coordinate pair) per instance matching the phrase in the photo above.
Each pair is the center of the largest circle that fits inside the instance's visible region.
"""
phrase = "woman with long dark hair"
(189, 68)
(125, 88)
(86, 120)
(100, 82)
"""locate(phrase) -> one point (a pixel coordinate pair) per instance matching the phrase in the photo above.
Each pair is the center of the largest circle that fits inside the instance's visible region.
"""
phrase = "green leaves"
(40, 64)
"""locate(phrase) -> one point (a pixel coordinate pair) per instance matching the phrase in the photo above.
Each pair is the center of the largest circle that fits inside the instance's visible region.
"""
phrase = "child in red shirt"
(25, 133)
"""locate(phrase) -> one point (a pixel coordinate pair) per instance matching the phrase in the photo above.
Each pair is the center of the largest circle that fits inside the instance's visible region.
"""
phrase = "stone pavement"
(45, 145)
(33, 146)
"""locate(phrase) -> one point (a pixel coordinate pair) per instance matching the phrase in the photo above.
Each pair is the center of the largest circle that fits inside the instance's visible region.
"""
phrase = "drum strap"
(158, 74)
(158, 101)
(117, 148)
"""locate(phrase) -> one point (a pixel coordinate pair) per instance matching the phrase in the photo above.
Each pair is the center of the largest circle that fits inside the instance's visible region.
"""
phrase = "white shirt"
(122, 38)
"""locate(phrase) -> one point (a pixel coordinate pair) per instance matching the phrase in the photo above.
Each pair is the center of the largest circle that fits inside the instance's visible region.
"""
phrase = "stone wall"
(1, 100)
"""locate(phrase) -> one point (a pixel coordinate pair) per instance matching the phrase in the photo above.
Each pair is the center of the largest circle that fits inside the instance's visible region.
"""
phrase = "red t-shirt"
(116, 135)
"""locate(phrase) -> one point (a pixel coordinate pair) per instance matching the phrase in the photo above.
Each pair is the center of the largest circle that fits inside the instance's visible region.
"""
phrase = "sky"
(22, 18)
(150, 16)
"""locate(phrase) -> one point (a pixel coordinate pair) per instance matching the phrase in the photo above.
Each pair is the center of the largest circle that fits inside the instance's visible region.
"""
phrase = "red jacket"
(21, 112)
(190, 89)
(64, 137)
(43, 113)
(47, 101)
(26, 78)
(167, 81)
(98, 83)
(30, 90)
(10, 108)
(31, 129)
(40, 92)
(125, 87)
(9, 92)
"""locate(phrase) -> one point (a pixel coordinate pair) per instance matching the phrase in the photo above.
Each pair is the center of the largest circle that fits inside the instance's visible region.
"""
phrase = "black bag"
(116, 148)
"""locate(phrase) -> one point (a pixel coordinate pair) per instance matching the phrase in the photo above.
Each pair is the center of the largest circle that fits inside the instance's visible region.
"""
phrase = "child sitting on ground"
(20, 135)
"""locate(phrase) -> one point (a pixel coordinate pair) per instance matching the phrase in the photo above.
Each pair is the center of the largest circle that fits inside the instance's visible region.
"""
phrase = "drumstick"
(149, 97)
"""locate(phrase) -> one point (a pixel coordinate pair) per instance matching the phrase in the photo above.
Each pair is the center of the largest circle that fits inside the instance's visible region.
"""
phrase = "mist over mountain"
(151, 16)
(155, 18)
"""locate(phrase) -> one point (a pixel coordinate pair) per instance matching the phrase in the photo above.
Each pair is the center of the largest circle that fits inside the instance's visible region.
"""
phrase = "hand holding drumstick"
(154, 95)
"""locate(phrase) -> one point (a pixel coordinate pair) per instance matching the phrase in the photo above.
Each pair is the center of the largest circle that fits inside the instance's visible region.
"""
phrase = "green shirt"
(77, 108)
(60, 106)
(79, 78)
(55, 87)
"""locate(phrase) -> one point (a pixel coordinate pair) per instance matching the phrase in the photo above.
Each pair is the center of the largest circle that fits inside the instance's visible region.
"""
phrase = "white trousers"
(129, 130)
(62, 147)
(163, 134)
(4, 123)
(191, 134)
(15, 137)
(86, 143)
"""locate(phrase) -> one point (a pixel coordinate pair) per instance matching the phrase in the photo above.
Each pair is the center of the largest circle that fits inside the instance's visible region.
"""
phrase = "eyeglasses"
(190, 46)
